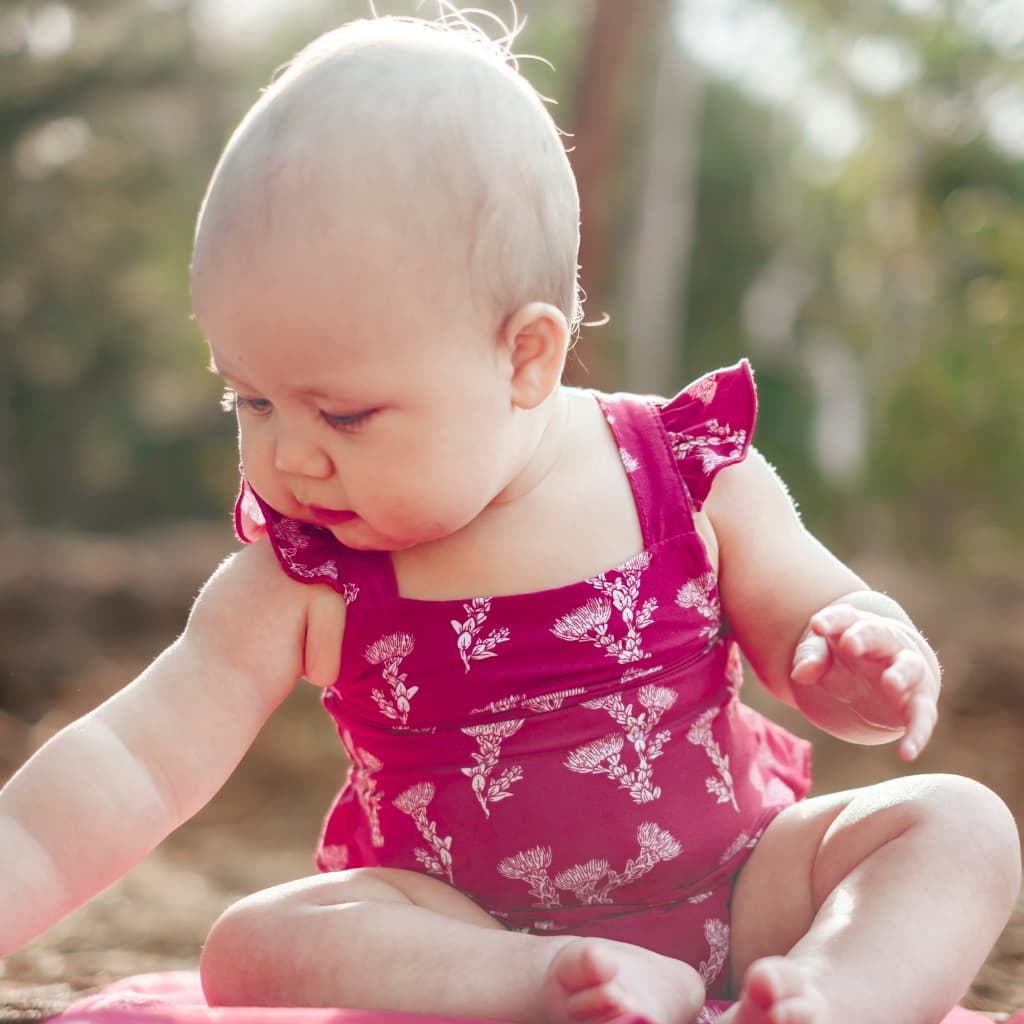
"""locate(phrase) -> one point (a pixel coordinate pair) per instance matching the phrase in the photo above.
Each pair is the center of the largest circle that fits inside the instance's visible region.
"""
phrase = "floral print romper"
(575, 760)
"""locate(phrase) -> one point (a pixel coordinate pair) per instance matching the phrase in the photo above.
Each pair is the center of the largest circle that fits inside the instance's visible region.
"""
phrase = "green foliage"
(905, 258)
(901, 263)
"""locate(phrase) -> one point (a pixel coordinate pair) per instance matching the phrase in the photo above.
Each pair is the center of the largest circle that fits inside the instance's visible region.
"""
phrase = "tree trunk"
(612, 70)
(654, 286)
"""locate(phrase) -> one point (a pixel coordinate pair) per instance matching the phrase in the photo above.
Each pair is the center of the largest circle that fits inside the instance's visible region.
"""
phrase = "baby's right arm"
(104, 791)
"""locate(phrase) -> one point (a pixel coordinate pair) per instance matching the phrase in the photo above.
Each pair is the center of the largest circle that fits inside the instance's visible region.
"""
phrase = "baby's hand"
(875, 664)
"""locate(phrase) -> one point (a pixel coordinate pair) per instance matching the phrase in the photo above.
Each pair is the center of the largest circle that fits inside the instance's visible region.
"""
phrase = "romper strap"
(662, 504)
(672, 450)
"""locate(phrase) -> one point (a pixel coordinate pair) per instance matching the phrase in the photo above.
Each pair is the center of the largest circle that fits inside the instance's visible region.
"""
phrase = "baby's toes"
(583, 965)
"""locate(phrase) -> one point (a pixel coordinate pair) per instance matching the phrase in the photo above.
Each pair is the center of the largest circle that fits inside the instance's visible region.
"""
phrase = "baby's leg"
(396, 940)
(873, 905)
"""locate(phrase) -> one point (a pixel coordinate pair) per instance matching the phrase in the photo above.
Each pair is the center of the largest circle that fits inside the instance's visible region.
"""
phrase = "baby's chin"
(360, 536)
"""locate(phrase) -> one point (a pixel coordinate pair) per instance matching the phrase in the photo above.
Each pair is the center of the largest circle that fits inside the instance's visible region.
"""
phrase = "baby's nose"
(297, 454)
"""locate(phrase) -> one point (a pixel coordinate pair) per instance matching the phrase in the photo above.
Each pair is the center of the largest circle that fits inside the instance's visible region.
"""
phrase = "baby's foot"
(777, 991)
(594, 980)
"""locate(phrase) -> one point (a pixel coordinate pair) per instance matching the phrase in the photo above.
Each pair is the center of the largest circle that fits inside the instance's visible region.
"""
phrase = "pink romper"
(577, 760)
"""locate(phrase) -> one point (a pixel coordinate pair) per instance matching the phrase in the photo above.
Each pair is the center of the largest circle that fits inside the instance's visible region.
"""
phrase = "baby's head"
(385, 268)
(422, 135)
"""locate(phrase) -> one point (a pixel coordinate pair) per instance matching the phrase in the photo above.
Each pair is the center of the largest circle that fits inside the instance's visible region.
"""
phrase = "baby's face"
(372, 398)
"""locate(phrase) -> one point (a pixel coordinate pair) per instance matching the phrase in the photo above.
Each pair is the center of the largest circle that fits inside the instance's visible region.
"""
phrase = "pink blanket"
(174, 997)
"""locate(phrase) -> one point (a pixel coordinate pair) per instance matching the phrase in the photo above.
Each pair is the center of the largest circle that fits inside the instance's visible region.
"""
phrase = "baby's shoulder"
(250, 612)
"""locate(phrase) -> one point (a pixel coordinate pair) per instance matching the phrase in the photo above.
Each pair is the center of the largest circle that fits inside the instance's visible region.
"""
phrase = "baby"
(525, 605)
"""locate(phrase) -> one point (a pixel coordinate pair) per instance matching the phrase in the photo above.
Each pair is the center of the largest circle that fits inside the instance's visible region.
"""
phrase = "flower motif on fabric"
(438, 859)
(704, 390)
(720, 786)
(488, 787)
(629, 462)
(719, 446)
(743, 841)
(531, 866)
(701, 594)
(635, 672)
(734, 670)
(604, 756)
(708, 1015)
(334, 857)
(590, 622)
(471, 646)
(551, 701)
(388, 652)
(364, 765)
(291, 538)
(717, 934)
(593, 881)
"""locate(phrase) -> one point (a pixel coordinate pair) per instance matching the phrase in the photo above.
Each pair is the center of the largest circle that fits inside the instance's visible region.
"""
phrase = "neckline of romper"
(663, 506)
(662, 500)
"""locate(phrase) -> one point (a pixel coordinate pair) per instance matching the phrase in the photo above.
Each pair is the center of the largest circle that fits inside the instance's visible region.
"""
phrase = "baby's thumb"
(810, 660)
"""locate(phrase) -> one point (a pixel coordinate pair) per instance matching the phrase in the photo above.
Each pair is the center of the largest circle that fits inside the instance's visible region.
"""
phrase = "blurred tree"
(875, 283)
(103, 110)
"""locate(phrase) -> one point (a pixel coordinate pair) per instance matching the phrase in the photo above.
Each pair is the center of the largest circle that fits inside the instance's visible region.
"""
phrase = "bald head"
(408, 137)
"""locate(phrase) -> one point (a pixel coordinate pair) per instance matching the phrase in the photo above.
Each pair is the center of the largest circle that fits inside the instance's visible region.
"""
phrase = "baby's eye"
(232, 401)
(349, 421)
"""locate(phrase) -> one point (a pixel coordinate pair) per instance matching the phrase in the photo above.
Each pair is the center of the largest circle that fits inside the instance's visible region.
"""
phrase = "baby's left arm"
(818, 637)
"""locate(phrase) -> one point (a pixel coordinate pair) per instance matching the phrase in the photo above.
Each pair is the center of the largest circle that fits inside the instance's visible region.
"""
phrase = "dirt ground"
(80, 616)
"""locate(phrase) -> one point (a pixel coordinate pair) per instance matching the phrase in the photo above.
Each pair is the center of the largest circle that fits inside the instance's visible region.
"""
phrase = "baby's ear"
(536, 337)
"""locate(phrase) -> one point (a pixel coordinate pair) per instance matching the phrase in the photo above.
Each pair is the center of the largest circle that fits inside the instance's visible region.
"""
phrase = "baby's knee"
(971, 822)
(249, 957)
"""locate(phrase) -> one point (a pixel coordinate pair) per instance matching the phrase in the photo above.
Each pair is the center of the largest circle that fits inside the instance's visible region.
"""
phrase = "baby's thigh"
(811, 847)
(772, 901)
(269, 948)
(296, 899)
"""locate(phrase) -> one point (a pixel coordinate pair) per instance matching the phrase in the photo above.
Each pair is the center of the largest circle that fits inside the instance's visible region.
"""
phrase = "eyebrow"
(235, 383)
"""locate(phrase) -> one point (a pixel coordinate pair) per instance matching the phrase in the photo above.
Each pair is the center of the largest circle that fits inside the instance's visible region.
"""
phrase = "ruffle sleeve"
(305, 552)
(709, 425)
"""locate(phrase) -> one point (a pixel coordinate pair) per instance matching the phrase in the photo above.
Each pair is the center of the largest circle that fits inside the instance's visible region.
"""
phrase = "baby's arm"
(847, 656)
(105, 790)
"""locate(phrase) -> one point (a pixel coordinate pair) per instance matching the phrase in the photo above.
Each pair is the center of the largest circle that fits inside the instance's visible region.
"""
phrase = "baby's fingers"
(905, 684)
(872, 638)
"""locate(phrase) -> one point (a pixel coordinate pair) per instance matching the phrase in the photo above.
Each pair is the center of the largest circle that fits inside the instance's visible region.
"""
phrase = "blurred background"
(833, 189)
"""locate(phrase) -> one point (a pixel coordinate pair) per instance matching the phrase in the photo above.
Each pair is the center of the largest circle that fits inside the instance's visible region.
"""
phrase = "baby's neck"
(569, 515)
(543, 451)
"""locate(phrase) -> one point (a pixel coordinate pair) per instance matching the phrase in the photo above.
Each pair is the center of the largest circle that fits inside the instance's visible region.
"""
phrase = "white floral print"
(700, 735)
(334, 857)
(531, 866)
(743, 841)
(604, 756)
(717, 934)
(593, 881)
(590, 622)
(290, 539)
(542, 703)
(488, 787)
(629, 462)
(701, 594)
(389, 651)
(734, 670)
(720, 446)
(471, 646)
(708, 1015)
(551, 701)
(704, 390)
(635, 672)
(414, 802)
(364, 765)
